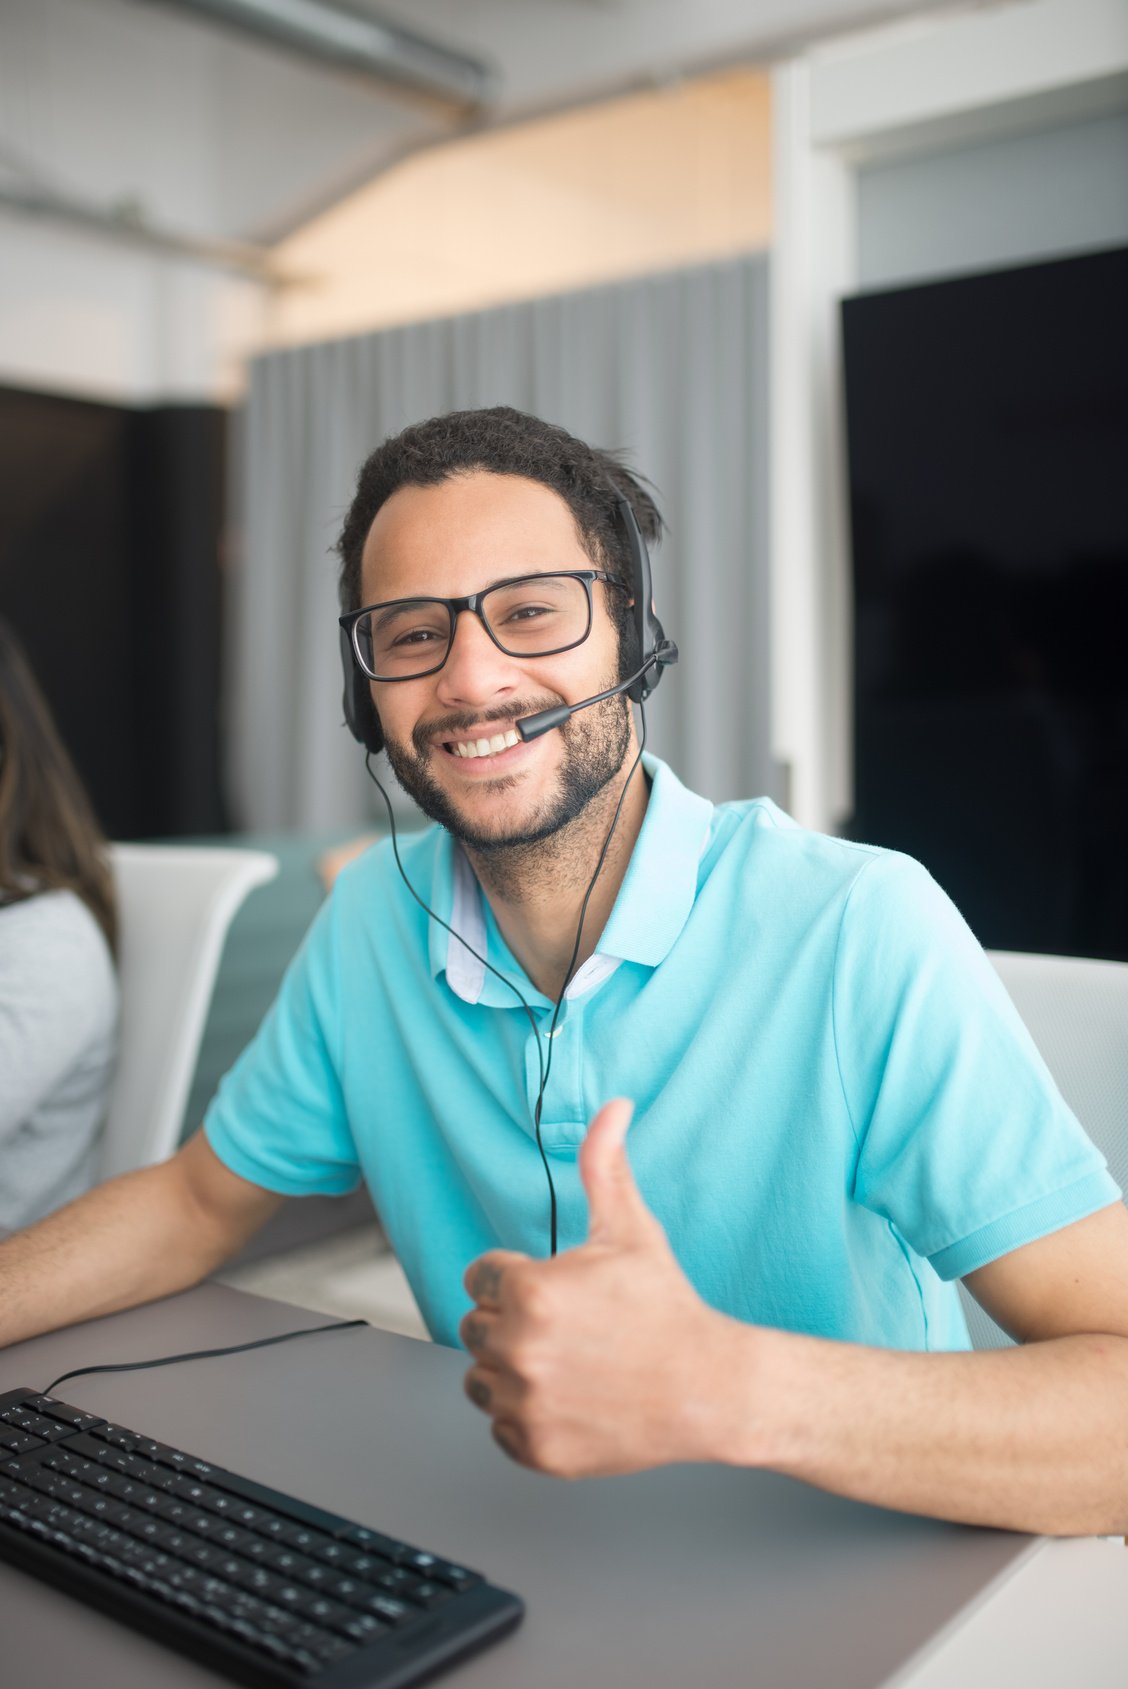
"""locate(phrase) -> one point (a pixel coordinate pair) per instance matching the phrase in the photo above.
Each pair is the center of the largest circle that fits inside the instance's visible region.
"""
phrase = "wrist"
(732, 1406)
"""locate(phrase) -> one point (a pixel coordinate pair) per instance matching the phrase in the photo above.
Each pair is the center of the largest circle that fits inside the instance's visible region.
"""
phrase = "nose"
(476, 672)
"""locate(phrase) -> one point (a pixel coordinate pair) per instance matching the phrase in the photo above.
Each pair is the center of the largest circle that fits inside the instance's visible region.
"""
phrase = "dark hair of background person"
(49, 838)
(504, 441)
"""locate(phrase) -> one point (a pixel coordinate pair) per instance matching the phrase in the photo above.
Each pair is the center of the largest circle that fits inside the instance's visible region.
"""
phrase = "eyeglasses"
(530, 616)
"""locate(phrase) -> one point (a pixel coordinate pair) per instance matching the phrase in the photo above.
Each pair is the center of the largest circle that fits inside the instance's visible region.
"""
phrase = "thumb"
(616, 1211)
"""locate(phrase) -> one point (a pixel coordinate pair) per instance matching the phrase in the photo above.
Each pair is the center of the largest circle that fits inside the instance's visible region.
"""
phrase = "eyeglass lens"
(527, 618)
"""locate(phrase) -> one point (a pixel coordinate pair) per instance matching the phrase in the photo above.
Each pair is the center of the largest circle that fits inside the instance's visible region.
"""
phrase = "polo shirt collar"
(653, 905)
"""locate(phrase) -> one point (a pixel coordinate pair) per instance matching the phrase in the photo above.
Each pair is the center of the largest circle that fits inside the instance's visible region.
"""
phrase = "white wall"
(1044, 193)
(84, 316)
(112, 103)
(854, 123)
(88, 109)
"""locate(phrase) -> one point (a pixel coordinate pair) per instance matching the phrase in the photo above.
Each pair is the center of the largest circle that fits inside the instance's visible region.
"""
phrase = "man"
(837, 1111)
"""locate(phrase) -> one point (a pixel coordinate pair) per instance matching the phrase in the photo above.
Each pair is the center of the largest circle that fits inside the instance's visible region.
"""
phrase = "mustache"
(464, 721)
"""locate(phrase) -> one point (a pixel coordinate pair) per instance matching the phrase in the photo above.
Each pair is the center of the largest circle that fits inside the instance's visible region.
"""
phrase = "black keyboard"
(251, 1582)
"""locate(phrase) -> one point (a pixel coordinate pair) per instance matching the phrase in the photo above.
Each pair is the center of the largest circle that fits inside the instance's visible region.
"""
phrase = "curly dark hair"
(504, 441)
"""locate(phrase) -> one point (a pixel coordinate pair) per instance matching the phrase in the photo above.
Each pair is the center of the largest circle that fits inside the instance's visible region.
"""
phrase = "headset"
(647, 652)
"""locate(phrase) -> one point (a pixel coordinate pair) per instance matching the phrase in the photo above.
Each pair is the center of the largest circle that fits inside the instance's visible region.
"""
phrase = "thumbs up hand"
(604, 1359)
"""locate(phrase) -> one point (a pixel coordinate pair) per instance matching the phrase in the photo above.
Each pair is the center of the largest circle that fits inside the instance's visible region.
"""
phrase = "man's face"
(448, 541)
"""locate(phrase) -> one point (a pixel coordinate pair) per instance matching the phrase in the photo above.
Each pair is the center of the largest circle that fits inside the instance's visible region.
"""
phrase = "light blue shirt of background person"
(837, 1110)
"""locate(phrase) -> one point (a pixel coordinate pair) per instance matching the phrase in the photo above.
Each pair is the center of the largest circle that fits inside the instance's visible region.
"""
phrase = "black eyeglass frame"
(473, 603)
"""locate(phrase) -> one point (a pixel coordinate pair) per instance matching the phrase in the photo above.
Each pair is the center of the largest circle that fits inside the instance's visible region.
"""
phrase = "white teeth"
(486, 747)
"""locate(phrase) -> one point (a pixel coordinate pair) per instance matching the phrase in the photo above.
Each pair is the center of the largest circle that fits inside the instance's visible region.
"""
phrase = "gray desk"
(697, 1576)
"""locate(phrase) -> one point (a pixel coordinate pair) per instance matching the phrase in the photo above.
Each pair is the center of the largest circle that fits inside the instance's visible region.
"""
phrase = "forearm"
(128, 1241)
(1029, 1439)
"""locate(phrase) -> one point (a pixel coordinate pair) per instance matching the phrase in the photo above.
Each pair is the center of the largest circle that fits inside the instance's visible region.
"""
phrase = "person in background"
(58, 984)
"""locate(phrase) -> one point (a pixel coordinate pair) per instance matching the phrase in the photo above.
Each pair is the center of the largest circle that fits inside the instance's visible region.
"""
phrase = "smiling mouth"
(492, 747)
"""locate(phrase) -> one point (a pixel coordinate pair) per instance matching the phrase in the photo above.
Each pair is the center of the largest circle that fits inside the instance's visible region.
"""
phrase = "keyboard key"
(305, 1540)
(177, 1461)
(188, 1489)
(431, 1594)
(319, 1576)
(419, 1562)
(291, 1596)
(203, 1525)
(258, 1580)
(18, 1442)
(95, 1505)
(142, 1471)
(286, 1561)
(117, 1485)
(342, 1588)
(456, 1576)
(394, 1579)
(42, 1507)
(361, 1565)
(363, 1626)
(46, 1482)
(90, 1447)
(332, 1614)
(118, 1436)
(244, 1514)
(37, 1424)
(374, 1542)
(274, 1527)
(63, 1412)
(388, 1608)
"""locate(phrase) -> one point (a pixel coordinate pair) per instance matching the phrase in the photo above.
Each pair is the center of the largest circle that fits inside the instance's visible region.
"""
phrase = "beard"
(595, 748)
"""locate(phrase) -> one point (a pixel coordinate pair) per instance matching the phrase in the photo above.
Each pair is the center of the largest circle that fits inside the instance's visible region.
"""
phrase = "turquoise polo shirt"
(837, 1109)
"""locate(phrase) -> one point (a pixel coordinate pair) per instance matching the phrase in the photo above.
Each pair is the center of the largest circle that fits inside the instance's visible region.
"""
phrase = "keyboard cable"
(203, 1354)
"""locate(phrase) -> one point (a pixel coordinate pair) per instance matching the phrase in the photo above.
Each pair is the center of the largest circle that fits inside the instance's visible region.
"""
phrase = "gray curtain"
(672, 367)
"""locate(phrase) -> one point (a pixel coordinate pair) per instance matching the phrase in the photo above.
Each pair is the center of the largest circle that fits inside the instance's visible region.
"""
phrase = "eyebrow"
(394, 605)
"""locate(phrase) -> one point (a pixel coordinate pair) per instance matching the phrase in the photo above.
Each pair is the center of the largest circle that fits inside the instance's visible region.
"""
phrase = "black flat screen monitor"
(987, 423)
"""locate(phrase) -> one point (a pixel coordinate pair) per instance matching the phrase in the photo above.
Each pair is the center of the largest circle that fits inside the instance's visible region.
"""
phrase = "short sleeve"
(278, 1118)
(963, 1141)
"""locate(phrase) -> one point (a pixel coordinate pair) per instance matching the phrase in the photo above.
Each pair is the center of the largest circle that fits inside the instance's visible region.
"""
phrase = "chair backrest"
(1077, 1013)
(175, 905)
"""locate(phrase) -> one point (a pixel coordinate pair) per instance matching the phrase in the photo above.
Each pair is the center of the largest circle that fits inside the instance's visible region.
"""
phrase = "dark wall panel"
(110, 528)
(988, 445)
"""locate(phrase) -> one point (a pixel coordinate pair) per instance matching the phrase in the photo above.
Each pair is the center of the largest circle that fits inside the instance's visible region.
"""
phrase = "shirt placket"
(564, 1118)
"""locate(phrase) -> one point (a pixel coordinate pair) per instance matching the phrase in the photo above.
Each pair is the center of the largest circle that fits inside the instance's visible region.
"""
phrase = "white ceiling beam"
(358, 42)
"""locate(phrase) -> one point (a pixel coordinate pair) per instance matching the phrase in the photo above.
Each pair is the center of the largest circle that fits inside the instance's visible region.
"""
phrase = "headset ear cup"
(360, 712)
(372, 734)
(638, 689)
(646, 630)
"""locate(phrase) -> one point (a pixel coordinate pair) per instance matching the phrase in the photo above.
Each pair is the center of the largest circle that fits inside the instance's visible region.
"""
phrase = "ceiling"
(146, 111)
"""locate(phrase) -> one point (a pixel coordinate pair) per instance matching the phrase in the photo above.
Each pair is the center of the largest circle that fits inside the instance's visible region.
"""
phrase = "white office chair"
(175, 904)
(1077, 1013)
